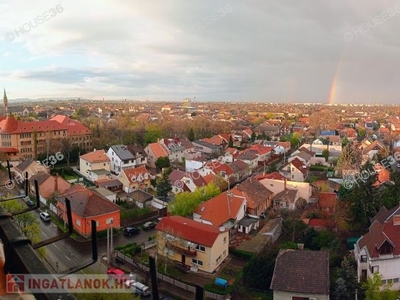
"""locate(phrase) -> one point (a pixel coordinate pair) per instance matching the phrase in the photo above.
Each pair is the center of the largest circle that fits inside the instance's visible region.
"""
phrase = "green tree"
(27, 223)
(325, 153)
(347, 272)
(349, 159)
(374, 291)
(163, 185)
(191, 136)
(230, 143)
(295, 139)
(153, 133)
(253, 136)
(163, 162)
(345, 141)
(185, 203)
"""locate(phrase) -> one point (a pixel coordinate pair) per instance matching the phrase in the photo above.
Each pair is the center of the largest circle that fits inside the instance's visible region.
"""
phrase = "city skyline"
(284, 52)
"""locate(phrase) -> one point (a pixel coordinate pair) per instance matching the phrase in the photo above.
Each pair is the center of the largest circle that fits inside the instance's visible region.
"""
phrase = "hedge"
(241, 254)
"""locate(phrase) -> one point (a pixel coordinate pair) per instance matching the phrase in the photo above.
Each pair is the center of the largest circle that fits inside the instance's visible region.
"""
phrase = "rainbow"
(334, 84)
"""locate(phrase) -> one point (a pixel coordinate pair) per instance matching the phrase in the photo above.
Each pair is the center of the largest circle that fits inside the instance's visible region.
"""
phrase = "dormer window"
(386, 249)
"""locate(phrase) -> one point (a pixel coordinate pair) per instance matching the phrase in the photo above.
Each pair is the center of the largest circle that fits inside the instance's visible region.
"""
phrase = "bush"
(241, 254)
(213, 288)
(134, 213)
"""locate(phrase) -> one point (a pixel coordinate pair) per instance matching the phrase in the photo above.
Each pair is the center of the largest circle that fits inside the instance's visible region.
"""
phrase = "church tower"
(5, 101)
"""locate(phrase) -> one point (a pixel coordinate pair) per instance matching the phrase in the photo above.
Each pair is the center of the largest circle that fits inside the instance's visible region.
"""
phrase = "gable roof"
(122, 152)
(96, 156)
(137, 150)
(327, 200)
(286, 196)
(158, 150)
(23, 166)
(254, 191)
(221, 208)
(298, 164)
(87, 203)
(301, 271)
(273, 175)
(238, 165)
(136, 174)
(189, 230)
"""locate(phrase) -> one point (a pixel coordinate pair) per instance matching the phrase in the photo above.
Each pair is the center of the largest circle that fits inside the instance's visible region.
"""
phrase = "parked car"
(128, 231)
(140, 289)
(115, 271)
(30, 203)
(44, 216)
(149, 225)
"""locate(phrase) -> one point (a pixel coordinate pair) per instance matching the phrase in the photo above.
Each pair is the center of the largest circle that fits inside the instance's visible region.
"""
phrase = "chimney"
(56, 182)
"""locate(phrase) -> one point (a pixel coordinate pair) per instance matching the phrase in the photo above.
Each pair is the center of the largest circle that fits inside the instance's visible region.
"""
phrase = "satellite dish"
(222, 229)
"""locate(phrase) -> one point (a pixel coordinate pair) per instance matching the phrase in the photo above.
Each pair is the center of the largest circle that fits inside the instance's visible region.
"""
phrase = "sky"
(285, 51)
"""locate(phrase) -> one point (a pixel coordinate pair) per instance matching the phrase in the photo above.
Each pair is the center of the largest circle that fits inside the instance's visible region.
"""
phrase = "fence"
(177, 283)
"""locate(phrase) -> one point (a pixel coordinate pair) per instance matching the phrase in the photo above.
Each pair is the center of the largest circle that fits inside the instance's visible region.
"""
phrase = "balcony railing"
(184, 250)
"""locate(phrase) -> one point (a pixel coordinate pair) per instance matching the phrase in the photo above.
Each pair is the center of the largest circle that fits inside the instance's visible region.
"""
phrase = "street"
(68, 252)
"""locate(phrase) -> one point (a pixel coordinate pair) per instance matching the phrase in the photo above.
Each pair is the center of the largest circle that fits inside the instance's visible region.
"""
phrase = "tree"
(230, 143)
(349, 159)
(163, 162)
(253, 136)
(185, 203)
(374, 291)
(340, 291)
(153, 133)
(163, 185)
(191, 136)
(295, 139)
(347, 272)
(26, 223)
(325, 153)
(345, 141)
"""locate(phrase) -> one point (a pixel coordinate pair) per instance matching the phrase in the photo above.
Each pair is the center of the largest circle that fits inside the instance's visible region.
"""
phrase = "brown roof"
(96, 156)
(301, 271)
(287, 196)
(327, 200)
(87, 203)
(298, 164)
(255, 192)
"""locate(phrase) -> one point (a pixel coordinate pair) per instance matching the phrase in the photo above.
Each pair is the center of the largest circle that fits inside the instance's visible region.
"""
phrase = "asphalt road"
(68, 252)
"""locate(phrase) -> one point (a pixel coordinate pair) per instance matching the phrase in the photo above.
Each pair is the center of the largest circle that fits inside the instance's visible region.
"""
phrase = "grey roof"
(24, 165)
(140, 196)
(100, 172)
(238, 165)
(247, 155)
(40, 177)
(287, 196)
(122, 152)
(247, 221)
(301, 271)
(205, 144)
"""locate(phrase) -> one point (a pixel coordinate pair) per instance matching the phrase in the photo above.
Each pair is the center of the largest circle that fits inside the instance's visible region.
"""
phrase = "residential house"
(113, 185)
(224, 210)
(263, 152)
(88, 205)
(135, 178)
(258, 197)
(154, 151)
(219, 140)
(95, 165)
(286, 199)
(49, 186)
(277, 183)
(200, 246)
(295, 170)
(27, 168)
(348, 132)
(301, 275)
(185, 181)
(22, 111)
(226, 172)
(282, 147)
(241, 170)
(267, 130)
(303, 156)
(140, 198)
(378, 251)
(369, 151)
(139, 153)
(106, 193)
(120, 158)
(250, 158)
(176, 151)
(208, 150)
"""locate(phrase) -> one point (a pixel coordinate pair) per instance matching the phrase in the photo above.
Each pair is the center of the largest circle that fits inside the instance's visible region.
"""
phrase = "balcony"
(184, 250)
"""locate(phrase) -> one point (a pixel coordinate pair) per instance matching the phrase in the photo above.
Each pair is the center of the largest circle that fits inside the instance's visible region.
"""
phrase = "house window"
(78, 222)
(110, 221)
(201, 248)
(383, 281)
(292, 176)
(224, 239)
(224, 253)
(363, 258)
(385, 249)
(364, 274)
(395, 280)
(375, 269)
(218, 259)
(300, 298)
(197, 262)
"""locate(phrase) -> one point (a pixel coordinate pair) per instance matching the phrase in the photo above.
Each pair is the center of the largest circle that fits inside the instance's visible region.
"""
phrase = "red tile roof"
(274, 175)
(96, 156)
(158, 150)
(298, 164)
(189, 230)
(327, 200)
(8, 150)
(133, 174)
(221, 208)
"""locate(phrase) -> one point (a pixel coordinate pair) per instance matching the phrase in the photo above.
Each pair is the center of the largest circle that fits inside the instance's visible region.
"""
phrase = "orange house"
(88, 205)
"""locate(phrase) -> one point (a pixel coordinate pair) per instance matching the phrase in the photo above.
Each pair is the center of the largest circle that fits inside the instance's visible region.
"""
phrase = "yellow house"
(94, 163)
(135, 178)
(197, 245)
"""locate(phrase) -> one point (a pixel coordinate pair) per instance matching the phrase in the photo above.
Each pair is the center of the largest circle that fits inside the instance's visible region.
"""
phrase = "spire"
(5, 101)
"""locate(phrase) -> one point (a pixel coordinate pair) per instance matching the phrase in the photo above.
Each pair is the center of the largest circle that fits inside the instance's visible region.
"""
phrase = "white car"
(44, 216)
(140, 289)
